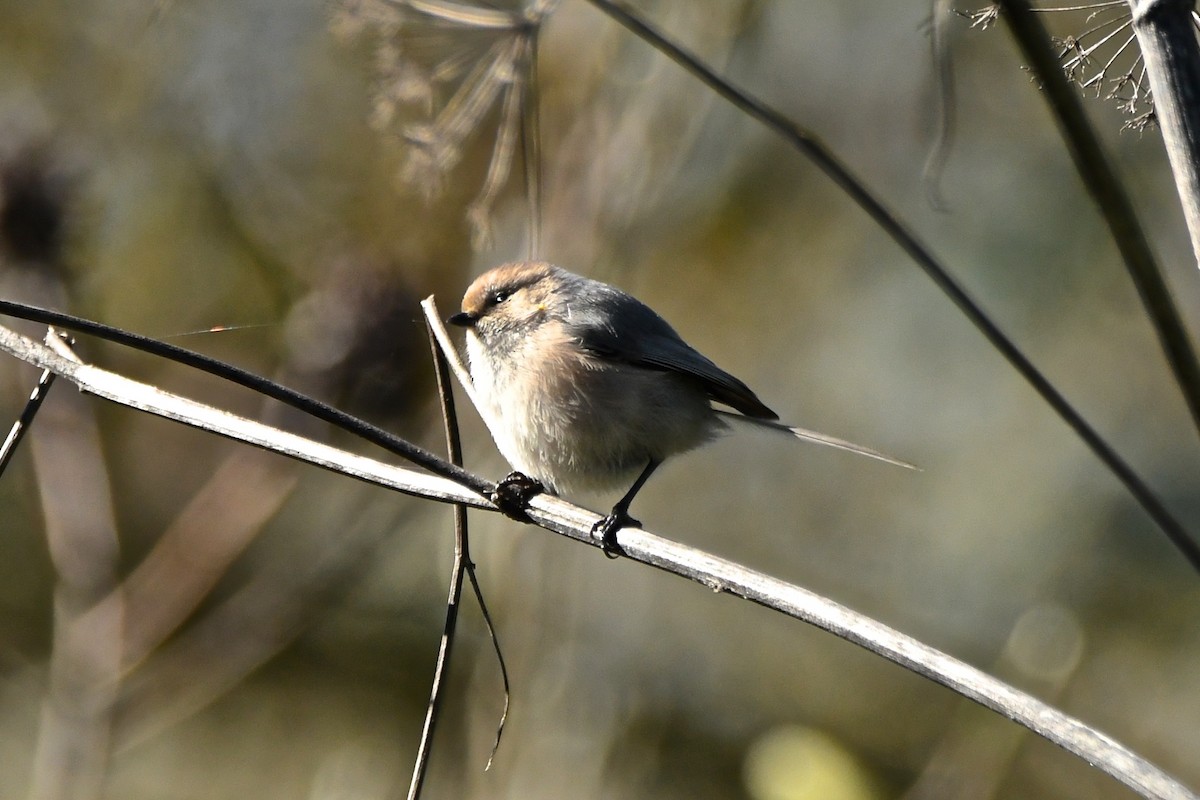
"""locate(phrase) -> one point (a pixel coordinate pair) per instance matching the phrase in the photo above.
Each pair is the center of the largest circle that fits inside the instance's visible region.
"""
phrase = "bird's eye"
(499, 296)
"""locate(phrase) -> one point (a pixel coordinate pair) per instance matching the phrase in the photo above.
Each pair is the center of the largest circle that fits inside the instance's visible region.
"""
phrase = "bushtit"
(584, 387)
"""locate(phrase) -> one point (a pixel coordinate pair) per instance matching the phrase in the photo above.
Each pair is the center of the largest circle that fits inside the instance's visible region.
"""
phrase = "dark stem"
(461, 557)
(1166, 34)
(322, 411)
(1106, 189)
(19, 428)
(809, 146)
(462, 564)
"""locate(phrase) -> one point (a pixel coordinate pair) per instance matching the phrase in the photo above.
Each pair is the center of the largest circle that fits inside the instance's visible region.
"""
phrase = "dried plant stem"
(462, 565)
(19, 428)
(1106, 189)
(725, 576)
(315, 408)
(143, 397)
(1166, 34)
(808, 144)
(719, 575)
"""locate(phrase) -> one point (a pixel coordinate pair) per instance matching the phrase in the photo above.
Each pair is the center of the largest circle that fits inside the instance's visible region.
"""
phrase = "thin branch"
(461, 558)
(445, 357)
(1105, 187)
(462, 565)
(1167, 38)
(808, 144)
(21, 426)
(322, 411)
(144, 397)
(719, 575)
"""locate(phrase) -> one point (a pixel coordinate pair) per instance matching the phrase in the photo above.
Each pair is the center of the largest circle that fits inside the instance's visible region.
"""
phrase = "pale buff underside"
(574, 425)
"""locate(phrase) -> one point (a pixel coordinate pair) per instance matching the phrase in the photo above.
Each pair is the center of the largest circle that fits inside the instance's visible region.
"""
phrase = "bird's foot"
(606, 531)
(513, 493)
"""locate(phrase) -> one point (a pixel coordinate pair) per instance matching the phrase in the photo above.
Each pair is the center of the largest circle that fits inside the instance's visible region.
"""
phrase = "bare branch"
(143, 397)
(719, 575)
(19, 428)
(1105, 187)
(1166, 35)
(812, 148)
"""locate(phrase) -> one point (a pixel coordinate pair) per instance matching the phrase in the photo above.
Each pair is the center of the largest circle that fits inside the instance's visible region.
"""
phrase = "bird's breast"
(576, 421)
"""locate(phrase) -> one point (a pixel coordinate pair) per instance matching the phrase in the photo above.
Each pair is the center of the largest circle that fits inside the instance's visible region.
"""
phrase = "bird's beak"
(462, 319)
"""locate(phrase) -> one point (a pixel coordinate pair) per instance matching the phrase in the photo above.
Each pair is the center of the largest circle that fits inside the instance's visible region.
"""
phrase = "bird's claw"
(513, 493)
(606, 531)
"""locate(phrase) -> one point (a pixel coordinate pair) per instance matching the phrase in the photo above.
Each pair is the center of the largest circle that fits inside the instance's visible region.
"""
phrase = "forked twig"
(462, 564)
(445, 357)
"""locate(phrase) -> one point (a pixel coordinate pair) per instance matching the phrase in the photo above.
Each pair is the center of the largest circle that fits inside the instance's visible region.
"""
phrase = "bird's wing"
(635, 335)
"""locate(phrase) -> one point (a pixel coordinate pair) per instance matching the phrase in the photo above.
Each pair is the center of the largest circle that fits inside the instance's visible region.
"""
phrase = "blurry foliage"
(214, 163)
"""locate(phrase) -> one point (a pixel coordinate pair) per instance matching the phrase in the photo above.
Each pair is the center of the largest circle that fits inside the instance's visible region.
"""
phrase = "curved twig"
(718, 574)
(322, 411)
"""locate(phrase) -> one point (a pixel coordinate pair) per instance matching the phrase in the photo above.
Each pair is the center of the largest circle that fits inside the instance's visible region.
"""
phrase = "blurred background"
(181, 617)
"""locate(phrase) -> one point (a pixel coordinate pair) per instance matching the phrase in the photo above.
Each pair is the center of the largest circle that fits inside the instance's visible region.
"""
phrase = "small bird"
(584, 387)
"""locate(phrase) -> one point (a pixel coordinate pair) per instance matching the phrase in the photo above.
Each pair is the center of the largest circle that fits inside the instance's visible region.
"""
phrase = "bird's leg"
(606, 529)
(513, 493)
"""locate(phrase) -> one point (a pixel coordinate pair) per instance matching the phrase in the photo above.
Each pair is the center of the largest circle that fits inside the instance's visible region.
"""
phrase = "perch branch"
(718, 574)
(725, 576)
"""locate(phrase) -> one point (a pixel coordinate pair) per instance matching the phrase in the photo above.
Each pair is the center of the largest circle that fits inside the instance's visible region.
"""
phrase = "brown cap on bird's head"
(496, 285)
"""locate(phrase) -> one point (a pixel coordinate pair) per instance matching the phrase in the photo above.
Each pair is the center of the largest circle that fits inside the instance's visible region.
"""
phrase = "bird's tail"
(820, 438)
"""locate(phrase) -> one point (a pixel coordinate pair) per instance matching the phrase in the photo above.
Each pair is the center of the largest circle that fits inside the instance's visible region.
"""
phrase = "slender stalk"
(322, 411)
(19, 428)
(719, 575)
(461, 559)
(1102, 183)
(462, 565)
(1166, 35)
(807, 144)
